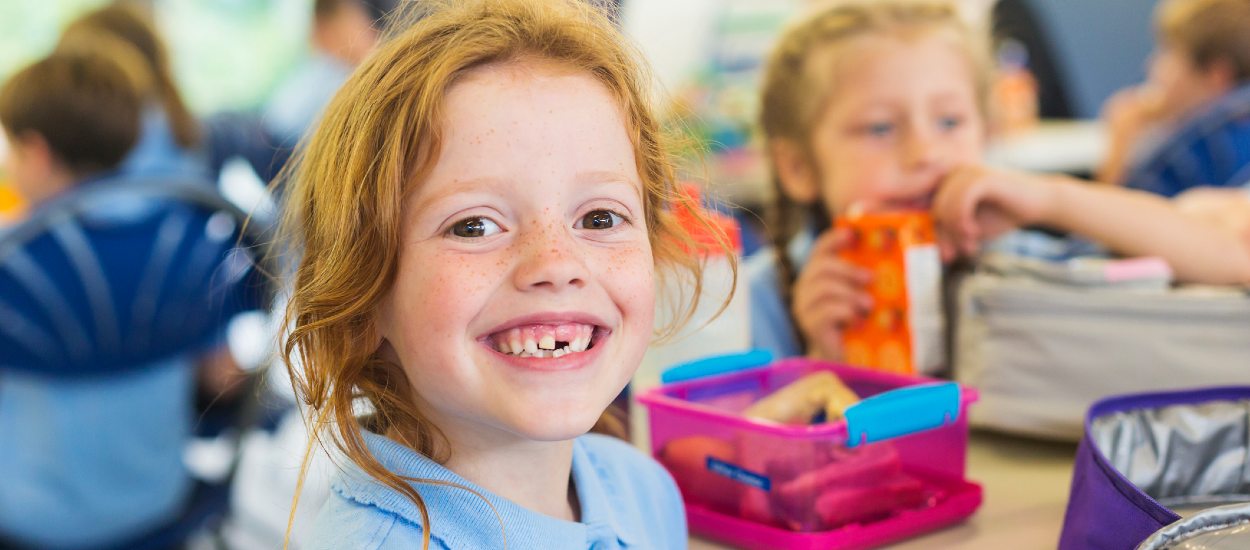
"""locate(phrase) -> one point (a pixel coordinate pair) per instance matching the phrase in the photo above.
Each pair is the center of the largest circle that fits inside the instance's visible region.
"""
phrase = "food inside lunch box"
(819, 487)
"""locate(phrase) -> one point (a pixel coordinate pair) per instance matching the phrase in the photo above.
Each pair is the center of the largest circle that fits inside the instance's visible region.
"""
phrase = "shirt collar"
(595, 491)
(461, 519)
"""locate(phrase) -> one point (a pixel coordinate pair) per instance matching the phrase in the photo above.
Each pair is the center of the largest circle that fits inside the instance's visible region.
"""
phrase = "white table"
(1069, 146)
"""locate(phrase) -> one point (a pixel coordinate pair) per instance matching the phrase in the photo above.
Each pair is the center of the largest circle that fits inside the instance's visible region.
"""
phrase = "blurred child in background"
(870, 104)
(70, 120)
(881, 106)
(170, 136)
(1187, 125)
(64, 128)
(343, 33)
(169, 143)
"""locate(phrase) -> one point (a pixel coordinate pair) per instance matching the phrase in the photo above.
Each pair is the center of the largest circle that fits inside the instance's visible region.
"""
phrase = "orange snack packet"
(904, 331)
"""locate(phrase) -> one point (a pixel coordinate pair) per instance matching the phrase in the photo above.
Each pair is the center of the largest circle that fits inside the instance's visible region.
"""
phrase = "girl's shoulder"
(347, 522)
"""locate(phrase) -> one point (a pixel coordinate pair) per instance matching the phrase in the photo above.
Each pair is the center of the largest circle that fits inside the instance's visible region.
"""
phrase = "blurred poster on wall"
(229, 54)
(29, 28)
(226, 54)
(708, 56)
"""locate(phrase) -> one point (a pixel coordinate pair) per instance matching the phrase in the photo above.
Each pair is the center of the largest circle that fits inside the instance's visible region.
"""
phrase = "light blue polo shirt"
(627, 500)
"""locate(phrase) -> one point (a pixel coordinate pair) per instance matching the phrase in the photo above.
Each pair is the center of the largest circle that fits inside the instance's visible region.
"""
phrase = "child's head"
(1203, 51)
(68, 116)
(870, 104)
(133, 25)
(347, 29)
(492, 178)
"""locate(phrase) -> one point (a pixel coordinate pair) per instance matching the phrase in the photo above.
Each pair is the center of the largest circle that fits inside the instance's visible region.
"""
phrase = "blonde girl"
(881, 106)
(869, 104)
(480, 219)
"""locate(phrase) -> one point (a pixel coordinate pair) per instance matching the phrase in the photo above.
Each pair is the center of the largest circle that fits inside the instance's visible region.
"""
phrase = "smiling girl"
(481, 218)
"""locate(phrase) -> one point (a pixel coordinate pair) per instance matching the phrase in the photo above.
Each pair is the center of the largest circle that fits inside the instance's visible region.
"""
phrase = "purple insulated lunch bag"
(1163, 471)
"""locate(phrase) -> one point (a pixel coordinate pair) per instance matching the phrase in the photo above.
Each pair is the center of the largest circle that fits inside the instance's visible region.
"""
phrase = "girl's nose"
(549, 260)
(920, 149)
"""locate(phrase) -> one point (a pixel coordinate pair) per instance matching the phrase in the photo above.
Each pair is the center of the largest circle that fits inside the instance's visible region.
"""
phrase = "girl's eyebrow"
(485, 184)
(609, 177)
(459, 185)
(602, 176)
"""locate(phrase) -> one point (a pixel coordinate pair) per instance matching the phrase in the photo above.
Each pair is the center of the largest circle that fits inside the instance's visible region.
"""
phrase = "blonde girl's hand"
(828, 295)
(975, 204)
(1227, 209)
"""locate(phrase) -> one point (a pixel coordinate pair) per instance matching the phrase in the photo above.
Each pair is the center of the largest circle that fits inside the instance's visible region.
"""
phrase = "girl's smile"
(548, 341)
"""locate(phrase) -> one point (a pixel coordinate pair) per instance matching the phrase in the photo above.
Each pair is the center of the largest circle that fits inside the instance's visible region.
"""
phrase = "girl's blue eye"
(600, 219)
(471, 228)
(950, 122)
(881, 129)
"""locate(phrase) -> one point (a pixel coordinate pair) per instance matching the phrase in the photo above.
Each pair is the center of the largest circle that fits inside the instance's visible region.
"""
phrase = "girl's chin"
(552, 428)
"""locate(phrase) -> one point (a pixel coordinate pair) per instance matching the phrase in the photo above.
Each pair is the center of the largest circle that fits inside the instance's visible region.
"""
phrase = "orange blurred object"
(11, 204)
(903, 332)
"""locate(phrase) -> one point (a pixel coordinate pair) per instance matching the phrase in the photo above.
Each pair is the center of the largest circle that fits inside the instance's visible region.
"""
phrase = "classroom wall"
(1099, 45)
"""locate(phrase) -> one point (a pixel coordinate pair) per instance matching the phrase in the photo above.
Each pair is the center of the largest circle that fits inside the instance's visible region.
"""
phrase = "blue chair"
(116, 287)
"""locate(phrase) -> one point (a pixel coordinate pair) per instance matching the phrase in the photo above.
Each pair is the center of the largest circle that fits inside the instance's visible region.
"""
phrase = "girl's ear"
(1220, 75)
(34, 149)
(797, 176)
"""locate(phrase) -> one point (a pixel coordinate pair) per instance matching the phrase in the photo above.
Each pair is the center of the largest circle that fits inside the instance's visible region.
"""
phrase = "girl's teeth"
(514, 341)
(521, 342)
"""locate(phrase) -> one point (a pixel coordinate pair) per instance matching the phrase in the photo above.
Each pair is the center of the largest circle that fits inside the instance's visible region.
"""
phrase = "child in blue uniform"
(87, 461)
(481, 217)
(1187, 125)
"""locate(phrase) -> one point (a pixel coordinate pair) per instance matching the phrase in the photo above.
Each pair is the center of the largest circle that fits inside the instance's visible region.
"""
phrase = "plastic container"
(705, 334)
(892, 470)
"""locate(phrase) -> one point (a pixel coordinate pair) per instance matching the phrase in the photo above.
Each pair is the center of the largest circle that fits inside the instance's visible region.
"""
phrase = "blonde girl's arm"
(975, 204)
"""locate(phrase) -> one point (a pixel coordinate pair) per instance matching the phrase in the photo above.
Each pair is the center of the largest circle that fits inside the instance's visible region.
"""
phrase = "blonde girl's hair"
(797, 87)
(135, 25)
(378, 138)
(1208, 31)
